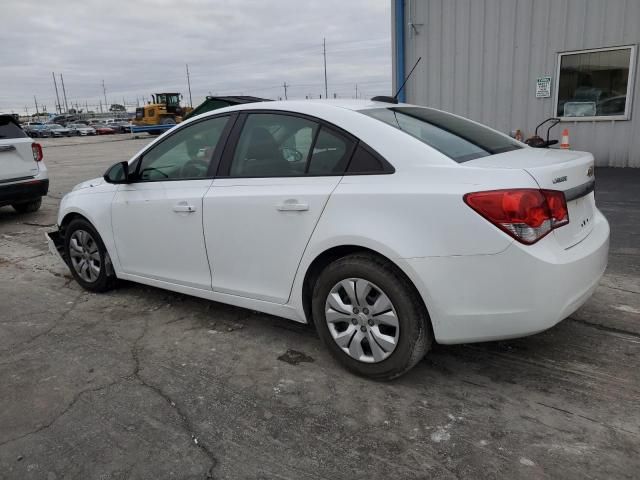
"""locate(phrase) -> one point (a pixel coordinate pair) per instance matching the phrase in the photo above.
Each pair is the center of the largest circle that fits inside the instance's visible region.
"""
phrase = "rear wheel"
(87, 256)
(28, 207)
(167, 121)
(370, 317)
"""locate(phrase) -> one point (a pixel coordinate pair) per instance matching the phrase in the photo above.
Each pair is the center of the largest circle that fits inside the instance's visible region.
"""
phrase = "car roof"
(297, 105)
(318, 108)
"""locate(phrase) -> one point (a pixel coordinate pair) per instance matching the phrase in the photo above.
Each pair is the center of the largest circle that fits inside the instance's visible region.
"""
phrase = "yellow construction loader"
(165, 109)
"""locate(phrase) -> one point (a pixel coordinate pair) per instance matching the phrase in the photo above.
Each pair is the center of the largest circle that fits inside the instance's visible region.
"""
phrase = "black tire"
(106, 279)
(167, 121)
(28, 207)
(415, 336)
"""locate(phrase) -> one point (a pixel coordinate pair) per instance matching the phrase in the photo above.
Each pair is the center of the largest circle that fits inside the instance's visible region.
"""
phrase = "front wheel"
(370, 317)
(87, 257)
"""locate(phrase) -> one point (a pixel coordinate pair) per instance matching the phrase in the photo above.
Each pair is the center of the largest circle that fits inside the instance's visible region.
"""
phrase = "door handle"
(292, 205)
(7, 148)
(184, 207)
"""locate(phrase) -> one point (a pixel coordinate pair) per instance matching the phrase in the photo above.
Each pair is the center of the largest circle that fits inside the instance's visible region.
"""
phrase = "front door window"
(185, 155)
(272, 145)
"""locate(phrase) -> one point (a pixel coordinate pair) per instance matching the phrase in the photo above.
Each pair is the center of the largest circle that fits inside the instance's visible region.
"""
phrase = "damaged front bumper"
(55, 240)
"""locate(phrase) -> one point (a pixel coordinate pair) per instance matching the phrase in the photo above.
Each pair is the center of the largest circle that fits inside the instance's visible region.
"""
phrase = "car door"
(157, 219)
(275, 178)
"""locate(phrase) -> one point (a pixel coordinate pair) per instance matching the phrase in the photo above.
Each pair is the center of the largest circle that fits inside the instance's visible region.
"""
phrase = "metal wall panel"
(481, 58)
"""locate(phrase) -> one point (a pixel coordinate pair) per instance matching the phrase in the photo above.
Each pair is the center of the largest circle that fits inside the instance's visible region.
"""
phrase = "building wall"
(481, 58)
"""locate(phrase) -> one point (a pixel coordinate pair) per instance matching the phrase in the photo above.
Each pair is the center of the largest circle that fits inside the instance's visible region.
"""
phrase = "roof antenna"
(394, 99)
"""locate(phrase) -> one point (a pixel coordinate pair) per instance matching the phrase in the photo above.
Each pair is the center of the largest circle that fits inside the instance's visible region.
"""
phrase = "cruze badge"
(560, 179)
(590, 171)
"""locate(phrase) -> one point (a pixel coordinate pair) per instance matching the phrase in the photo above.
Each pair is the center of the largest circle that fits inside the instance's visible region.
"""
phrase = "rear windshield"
(9, 129)
(457, 138)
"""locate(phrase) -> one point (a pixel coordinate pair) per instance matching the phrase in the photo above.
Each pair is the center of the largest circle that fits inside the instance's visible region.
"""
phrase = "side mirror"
(118, 173)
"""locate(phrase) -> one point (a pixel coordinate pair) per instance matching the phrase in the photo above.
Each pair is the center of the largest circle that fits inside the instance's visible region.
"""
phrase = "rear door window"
(9, 129)
(459, 139)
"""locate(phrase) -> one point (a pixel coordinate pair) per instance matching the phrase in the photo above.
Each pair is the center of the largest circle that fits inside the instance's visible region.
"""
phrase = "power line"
(104, 91)
(189, 84)
(64, 94)
(58, 106)
(324, 53)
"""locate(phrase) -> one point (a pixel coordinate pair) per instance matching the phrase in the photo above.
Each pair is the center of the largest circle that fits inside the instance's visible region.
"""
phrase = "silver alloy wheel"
(85, 256)
(362, 320)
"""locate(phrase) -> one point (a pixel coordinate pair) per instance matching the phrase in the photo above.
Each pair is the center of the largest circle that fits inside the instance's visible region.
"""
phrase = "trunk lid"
(570, 172)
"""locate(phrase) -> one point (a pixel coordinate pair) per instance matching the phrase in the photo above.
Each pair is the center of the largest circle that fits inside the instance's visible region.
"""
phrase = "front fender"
(94, 204)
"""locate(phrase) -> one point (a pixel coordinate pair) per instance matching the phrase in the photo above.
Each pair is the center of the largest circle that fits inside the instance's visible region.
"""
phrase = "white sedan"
(389, 226)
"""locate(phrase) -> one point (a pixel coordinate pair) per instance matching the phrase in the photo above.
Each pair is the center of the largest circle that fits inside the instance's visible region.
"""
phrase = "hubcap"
(85, 257)
(362, 320)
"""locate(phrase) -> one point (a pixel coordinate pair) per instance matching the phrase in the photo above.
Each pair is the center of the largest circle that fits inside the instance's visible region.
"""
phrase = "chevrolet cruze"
(389, 226)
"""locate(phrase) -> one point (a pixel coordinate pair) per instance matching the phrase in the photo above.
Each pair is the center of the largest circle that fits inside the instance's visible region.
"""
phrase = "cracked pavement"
(140, 383)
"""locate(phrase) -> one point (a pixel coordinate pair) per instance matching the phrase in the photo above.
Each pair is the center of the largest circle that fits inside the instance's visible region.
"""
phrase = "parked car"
(38, 131)
(23, 175)
(58, 130)
(26, 126)
(121, 127)
(389, 226)
(102, 129)
(81, 129)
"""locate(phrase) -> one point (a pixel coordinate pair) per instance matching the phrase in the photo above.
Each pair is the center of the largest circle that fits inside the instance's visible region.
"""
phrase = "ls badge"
(560, 179)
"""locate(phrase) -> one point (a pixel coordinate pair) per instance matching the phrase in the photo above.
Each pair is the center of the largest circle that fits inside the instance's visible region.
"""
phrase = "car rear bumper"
(520, 291)
(23, 191)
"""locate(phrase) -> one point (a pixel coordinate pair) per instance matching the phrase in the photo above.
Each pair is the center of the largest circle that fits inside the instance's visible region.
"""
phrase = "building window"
(595, 84)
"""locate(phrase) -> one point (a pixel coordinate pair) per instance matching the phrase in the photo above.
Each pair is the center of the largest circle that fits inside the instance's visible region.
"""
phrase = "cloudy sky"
(140, 47)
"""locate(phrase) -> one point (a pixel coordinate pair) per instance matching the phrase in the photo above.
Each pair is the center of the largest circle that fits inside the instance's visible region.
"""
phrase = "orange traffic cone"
(518, 136)
(564, 143)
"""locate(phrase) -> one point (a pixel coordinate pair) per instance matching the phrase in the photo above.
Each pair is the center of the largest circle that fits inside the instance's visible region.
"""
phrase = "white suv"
(23, 175)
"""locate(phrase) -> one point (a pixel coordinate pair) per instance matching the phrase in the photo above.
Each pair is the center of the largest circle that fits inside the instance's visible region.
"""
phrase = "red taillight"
(36, 149)
(558, 207)
(526, 214)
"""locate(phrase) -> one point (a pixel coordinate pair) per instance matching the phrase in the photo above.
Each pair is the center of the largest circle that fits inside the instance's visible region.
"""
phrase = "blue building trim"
(399, 38)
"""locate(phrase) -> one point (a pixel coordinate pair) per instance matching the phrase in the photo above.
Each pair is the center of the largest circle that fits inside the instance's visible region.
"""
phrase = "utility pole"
(100, 105)
(104, 91)
(189, 84)
(36, 102)
(356, 90)
(64, 94)
(285, 90)
(55, 84)
(324, 52)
